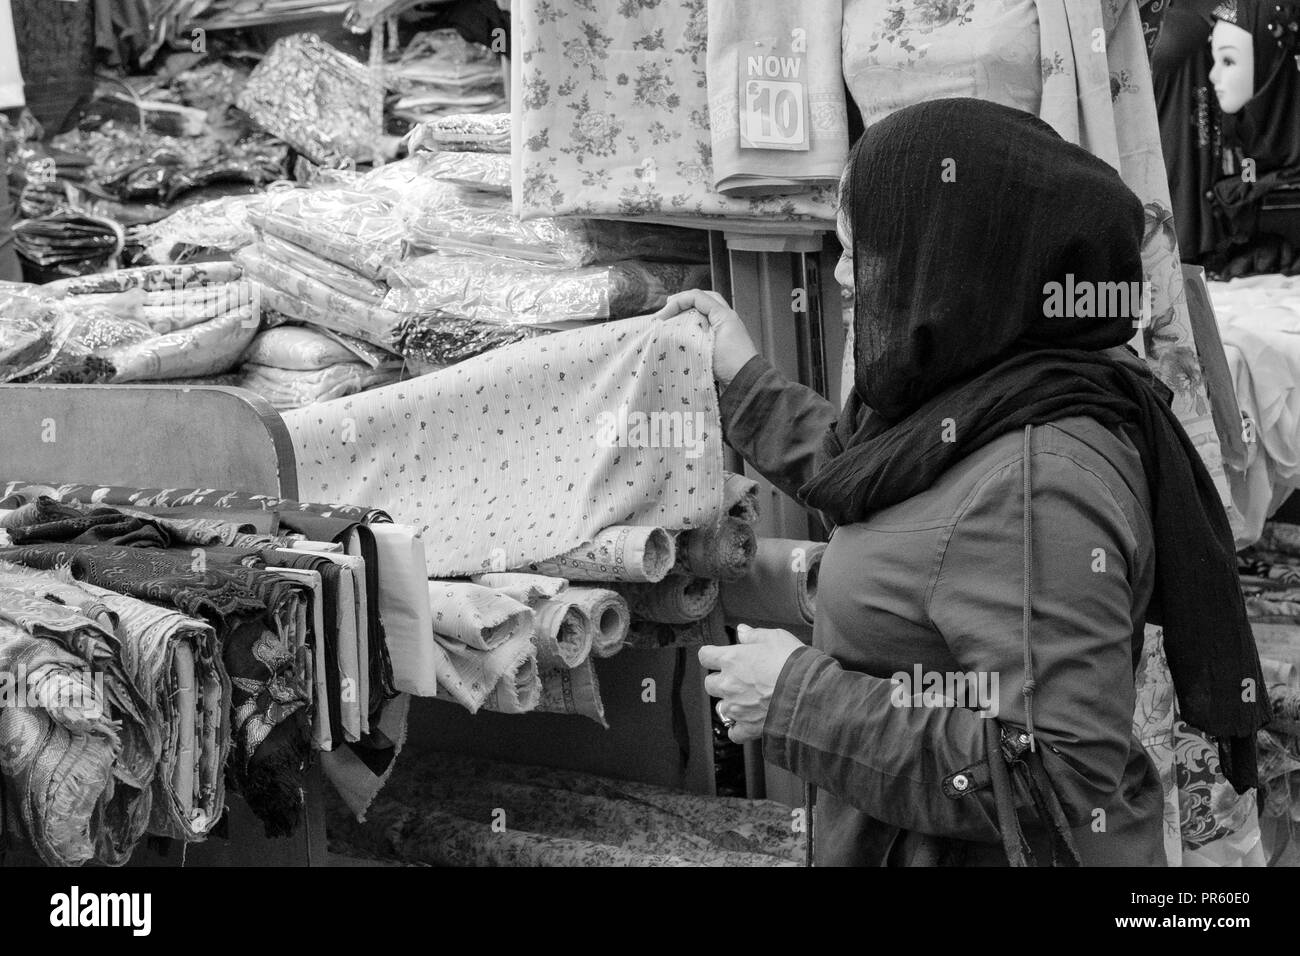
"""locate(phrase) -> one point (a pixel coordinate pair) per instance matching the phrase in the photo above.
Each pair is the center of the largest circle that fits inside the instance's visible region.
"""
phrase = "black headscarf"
(961, 213)
(1267, 128)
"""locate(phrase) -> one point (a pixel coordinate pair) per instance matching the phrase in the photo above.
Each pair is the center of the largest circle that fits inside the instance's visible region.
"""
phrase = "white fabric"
(1259, 321)
(508, 458)
(11, 77)
(404, 608)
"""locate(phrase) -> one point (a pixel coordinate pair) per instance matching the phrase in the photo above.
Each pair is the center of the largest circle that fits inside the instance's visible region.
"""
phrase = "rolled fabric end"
(780, 588)
(563, 634)
(677, 600)
(477, 616)
(724, 550)
(609, 616)
(523, 587)
(518, 691)
(617, 553)
(740, 497)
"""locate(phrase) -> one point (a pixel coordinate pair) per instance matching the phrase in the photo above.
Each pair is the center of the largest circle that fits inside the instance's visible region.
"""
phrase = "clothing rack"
(161, 436)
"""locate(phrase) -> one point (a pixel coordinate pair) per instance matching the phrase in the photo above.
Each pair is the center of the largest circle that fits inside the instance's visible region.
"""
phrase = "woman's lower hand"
(732, 346)
(746, 677)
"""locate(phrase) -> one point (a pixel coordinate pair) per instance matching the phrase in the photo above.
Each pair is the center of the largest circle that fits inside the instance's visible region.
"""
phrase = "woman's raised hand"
(732, 346)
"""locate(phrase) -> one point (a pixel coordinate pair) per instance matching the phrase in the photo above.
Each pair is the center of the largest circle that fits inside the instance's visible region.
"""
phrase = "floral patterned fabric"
(613, 119)
(515, 456)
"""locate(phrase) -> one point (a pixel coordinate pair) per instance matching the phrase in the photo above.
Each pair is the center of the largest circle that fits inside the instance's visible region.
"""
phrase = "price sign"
(773, 101)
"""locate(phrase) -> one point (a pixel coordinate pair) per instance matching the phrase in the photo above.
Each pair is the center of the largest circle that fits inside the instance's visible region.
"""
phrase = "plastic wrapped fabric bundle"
(740, 497)
(222, 223)
(675, 600)
(477, 616)
(316, 98)
(440, 341)
(337, 277)
(209, 348)
(83, 343)
(289, 388)
(488, 289)
(440, 72)
(724, 550)
(70, 243)
(172, 310)
(617, 553)
(157, 278)
(464, 132)
(353, 228)
(309, 300)
(296, 348)
(562, 633)
(609, 617)
(780, 588)
(482, 223)
(573, 691)
(408, 183)
(525, 588)
(487, 172)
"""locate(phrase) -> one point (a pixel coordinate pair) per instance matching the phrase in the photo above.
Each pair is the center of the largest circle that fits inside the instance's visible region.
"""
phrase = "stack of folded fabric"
(441, 73)
(292, 366)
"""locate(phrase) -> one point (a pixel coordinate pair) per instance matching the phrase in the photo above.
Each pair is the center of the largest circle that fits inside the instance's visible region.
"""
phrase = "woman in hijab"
(1011, 499)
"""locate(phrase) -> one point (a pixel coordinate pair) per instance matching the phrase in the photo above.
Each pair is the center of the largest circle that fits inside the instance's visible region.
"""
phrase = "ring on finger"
(727, 722)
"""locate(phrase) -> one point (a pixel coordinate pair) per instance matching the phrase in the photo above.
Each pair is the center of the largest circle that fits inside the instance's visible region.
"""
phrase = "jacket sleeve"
(845, 731)
(776, 425)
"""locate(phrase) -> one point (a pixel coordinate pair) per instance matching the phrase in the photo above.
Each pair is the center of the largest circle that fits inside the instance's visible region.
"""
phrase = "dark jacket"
(938, 580)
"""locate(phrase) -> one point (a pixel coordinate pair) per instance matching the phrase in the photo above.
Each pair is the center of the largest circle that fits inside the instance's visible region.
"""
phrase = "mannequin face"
(1233, 74)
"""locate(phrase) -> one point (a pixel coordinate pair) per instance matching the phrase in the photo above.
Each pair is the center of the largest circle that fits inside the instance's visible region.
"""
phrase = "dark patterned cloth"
(182, 497)
(253, 613)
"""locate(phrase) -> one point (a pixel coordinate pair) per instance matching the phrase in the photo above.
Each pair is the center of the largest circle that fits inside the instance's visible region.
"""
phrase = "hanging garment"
(454, 454)
(809, 31)
(611, 118)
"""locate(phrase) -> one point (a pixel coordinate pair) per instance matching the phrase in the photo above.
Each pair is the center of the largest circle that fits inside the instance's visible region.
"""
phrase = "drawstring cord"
(1027, 688)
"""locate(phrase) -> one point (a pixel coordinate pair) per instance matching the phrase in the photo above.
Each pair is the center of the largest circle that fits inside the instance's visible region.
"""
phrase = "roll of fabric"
(650, 635)
(609, 616)
(573, 691)
(617, 553)
(57, 790)
(470, 675)
(676, 600)
(724, 551)
(563, 633)
(803, 36)
(781, 586)
(518, 692)
(477, 616)
(740, 497)
(525, 588)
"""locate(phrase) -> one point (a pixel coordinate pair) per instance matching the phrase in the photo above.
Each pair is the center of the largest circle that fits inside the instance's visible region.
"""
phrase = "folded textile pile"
(1258, 321)
(292, 366)
(642, 148)
(442, 73)
(68, 243)
(80, 748)
(316, 98)
(150, 323)
(441, 810)
(464, 132)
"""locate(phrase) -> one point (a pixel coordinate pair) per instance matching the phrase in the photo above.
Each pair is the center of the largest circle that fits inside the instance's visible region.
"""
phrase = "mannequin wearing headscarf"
(1267, 129)
(1189, 119)
(952, 338)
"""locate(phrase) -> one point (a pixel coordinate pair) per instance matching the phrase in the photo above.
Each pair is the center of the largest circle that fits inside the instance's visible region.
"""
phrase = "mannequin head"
(1233, 74)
